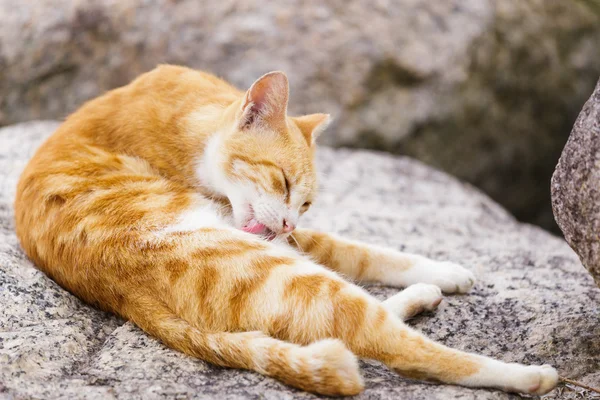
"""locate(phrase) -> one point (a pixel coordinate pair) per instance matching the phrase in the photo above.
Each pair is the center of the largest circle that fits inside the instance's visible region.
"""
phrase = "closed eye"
(305, 206)
(288, 186)
(287, 183)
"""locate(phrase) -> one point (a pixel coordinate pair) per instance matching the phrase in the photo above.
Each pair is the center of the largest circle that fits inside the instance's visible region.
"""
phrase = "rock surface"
(576, 186)
(486, 90)
(533, 303)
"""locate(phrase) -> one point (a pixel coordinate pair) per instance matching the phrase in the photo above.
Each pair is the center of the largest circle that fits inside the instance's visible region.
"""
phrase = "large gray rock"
(533, 302)
(576, 186)
(486, 90)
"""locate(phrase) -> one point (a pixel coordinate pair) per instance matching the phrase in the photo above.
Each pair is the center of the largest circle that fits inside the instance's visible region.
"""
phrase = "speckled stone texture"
(533, 303)
(576, 186)
(429, 79)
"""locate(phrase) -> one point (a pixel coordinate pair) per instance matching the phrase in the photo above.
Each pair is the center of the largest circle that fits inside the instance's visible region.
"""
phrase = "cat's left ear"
(266, 101)
(312, 125)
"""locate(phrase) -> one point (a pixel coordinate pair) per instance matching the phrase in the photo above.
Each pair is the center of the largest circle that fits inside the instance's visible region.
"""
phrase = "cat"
(173, 202)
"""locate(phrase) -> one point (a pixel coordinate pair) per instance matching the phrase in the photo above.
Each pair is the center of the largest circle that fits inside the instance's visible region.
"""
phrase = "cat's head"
(266, 159)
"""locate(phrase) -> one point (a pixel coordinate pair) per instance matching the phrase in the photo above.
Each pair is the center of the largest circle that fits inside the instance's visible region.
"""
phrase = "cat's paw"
(517, 378)
(414, 299)
(330, 369)
(448, 276)
(426, 297)
(534, 379)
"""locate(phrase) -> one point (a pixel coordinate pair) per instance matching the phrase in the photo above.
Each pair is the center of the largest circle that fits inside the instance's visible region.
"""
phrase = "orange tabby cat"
(173, 202)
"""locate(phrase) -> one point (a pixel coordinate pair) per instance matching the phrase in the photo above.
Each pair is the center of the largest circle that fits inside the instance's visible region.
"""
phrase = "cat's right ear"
(266, 101)
(312, 125)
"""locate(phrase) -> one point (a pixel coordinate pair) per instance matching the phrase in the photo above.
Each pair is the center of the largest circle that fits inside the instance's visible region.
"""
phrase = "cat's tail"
(325, 367)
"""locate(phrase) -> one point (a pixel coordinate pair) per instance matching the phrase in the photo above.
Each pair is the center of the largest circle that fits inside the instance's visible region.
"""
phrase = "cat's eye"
(287, 183)
(306, 206)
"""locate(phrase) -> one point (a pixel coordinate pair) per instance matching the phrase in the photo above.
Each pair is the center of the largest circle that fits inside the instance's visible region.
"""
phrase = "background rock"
(533, 302)
(486, 90)
(576, 186)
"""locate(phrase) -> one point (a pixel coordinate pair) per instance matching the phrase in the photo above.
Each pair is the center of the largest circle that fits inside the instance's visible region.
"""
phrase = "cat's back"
(129, 133)
(182, 84)
(151, 103)
(142, 119)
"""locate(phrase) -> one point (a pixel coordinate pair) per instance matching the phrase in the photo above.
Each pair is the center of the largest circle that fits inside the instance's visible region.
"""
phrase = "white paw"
(448, 276)
(424, 296)
(332, 369)
(538, 380)
(414, 300)
(535, 379)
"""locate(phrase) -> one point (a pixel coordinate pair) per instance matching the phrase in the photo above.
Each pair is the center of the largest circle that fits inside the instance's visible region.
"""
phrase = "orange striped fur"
(171, 202)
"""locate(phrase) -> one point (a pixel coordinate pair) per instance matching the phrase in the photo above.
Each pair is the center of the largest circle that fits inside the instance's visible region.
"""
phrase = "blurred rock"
(486, 90)
(532, 303)
(576, 187)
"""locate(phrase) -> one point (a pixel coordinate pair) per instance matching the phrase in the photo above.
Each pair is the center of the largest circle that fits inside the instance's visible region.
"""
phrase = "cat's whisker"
(297, 244)
(316, 242)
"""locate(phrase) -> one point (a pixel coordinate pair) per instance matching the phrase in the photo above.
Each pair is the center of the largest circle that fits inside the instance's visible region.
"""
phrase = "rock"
(533, 302)
(575, 186)
(483, 89)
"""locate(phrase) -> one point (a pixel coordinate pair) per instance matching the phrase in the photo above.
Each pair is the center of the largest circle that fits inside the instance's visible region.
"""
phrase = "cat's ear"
(266, 101)
(312, 125)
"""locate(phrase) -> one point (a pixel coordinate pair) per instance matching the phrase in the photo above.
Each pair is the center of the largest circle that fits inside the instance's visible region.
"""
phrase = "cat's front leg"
(448, 276)
(364, 262)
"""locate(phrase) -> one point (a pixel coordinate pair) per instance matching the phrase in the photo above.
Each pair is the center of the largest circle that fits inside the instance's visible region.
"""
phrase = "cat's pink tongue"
(254, 227)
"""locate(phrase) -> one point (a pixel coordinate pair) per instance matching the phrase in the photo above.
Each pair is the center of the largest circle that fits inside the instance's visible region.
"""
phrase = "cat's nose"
(288, 226)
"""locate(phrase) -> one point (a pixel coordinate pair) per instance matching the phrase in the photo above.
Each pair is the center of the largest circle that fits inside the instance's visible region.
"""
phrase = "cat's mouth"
(256, 227)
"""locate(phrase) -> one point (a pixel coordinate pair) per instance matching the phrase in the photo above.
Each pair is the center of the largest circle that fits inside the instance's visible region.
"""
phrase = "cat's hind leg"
(325, 366)
(311, 303)
(229, 281)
